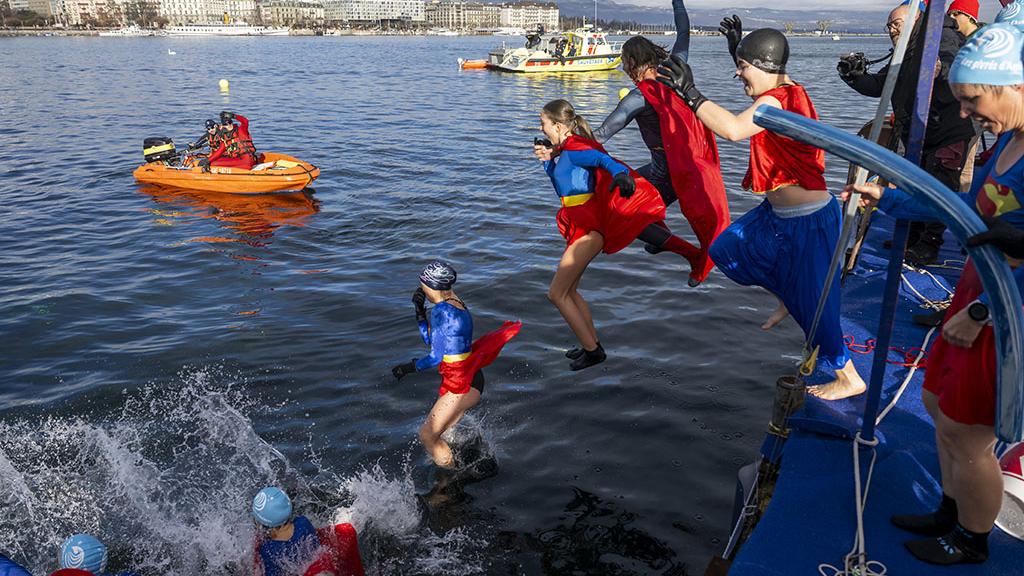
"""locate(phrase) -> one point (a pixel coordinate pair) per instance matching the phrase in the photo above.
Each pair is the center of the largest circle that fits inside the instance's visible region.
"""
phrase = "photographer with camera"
(948, 136)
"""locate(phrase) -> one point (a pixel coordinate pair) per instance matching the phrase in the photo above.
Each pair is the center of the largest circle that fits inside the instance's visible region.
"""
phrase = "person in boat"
(684, 162)
(9, 567)
(784, 245)
(234, 144)
(449, 334)
(605, 206)
(965, 14)
(288, 545)
(84, 555)
(209, 138)
(948, 139)
(959, 389)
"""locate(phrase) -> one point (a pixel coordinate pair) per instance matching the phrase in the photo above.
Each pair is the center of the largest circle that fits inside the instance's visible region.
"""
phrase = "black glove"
(732, 29)
(403, 369)
(677, 75)
(227, 117)
(205, 164)
(1002, 235)
(851, 65)
(419, 300)
(624, 182)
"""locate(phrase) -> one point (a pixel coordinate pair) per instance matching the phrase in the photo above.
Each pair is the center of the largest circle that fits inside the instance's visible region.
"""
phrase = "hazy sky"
(988, 7)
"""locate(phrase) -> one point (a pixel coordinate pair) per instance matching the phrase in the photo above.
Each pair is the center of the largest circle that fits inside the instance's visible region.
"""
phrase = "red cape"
(620, 220)
(694, 167)
(456, 377)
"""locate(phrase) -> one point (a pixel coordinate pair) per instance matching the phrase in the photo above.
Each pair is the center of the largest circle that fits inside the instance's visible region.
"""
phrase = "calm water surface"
(165, 354)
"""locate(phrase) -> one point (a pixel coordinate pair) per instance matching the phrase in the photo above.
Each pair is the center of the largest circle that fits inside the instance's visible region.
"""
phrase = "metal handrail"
(998, 281)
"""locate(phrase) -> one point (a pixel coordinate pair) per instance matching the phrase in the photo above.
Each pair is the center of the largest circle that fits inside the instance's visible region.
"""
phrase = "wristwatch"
(978, 311)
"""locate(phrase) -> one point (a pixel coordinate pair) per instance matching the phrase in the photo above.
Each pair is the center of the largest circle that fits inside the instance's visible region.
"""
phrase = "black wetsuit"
(635, 107)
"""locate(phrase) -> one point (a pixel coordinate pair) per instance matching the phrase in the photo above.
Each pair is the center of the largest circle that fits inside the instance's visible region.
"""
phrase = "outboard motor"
(158, 149)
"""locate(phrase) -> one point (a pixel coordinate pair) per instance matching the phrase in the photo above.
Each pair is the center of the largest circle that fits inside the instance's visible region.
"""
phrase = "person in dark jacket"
(948, 136)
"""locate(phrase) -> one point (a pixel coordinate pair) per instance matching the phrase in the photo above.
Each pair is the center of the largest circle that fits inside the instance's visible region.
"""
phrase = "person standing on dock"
(460, 360)
(785, 244)
(948, 139)
(959, 390)
(684, 162)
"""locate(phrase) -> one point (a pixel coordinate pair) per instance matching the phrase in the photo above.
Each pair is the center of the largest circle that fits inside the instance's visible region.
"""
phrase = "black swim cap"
(765, 48)
(211, 124)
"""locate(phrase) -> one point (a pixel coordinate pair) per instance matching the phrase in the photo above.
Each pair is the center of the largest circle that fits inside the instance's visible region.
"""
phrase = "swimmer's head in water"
(640, 55)
(84, 552)
(987, 78)
(438, 275)
(761, 59)
(559, 119)
(271, 507)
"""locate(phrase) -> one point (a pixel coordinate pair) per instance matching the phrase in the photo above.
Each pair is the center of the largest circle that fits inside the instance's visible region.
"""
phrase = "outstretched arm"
(731, 126)
(682, 18)
(628, 109)
(596, 159)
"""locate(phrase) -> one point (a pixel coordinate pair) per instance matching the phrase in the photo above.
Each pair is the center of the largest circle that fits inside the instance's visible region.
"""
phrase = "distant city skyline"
(988, 7)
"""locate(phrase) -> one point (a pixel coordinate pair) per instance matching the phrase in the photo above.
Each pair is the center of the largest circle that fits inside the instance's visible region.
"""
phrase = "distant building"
(529, 15)
(241, 10)
(374, 10)
(180, 12)
(461, 15)
(75, 12)
(41, 7)
(291, 13)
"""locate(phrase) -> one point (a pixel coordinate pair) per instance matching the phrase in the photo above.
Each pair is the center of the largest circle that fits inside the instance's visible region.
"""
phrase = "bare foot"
(847, 383)
(778, 316)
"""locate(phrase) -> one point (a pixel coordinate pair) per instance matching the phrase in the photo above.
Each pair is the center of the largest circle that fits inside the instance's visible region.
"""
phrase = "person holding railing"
(948, 138)
(959, 390)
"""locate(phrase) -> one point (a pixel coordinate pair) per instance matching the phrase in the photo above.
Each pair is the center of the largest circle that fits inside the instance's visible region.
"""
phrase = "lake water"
(166, 354)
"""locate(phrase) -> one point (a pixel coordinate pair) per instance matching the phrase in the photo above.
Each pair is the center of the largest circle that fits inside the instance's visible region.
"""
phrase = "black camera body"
(852, 64)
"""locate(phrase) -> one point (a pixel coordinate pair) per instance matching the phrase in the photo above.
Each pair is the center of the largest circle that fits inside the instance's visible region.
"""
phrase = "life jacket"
(235, 146)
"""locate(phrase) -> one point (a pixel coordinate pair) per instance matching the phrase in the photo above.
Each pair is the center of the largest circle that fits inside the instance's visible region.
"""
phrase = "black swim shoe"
(935, 524)
(588, 358)
(959, 546)
(574, 352)
(653, 249)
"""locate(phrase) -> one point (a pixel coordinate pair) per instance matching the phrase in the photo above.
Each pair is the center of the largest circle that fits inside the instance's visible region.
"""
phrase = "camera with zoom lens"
(852, 64)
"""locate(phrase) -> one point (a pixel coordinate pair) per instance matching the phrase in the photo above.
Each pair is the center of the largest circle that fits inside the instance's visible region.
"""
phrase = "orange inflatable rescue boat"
(275, 173)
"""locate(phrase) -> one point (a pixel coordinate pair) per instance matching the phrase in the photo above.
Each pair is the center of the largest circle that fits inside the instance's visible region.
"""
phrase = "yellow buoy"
(623, 93)
(224, 85)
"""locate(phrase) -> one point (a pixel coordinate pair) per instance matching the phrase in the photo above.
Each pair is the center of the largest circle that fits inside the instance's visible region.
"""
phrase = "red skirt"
(964, 379)
(456, 377)
(619, 220)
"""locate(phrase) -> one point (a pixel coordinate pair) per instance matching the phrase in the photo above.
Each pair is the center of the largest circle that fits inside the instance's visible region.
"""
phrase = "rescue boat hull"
(287, 173)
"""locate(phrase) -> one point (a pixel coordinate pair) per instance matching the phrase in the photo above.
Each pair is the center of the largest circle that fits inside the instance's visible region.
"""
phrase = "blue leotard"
(287, 557)
(572, 174)
(449, 333)
(991, 194)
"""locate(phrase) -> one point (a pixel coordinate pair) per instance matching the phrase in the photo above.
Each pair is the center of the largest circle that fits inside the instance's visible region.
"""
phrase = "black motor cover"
(159, 149)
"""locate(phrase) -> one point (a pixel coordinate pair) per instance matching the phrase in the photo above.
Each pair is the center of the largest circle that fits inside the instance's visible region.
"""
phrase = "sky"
(988, 7)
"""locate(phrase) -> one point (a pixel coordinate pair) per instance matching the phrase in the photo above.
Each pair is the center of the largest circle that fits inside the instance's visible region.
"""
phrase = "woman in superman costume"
(605, 206)
(459, 359)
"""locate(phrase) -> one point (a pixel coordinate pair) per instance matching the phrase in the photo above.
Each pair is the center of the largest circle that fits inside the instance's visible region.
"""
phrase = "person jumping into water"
(460, 360)
(235, 148)
(784, 245)
(684, 155)
(288, 545)
(605, 206)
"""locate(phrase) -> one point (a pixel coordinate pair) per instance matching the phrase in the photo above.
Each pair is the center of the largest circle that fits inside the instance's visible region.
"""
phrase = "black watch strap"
(978, 311)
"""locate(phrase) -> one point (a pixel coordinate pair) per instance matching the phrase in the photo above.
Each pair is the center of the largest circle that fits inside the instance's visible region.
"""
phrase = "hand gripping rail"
(995, 274)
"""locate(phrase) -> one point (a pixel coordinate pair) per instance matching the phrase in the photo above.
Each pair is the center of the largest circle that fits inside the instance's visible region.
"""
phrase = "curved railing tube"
(1005, 300)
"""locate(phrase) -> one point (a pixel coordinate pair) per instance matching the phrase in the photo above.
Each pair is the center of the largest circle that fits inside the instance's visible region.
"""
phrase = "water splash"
(166, 484)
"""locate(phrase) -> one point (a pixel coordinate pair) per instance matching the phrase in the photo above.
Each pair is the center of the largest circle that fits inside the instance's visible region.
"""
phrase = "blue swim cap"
(271, 507)
(439, 275)
(85, 553)
(992, 57)
(1012, 14)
